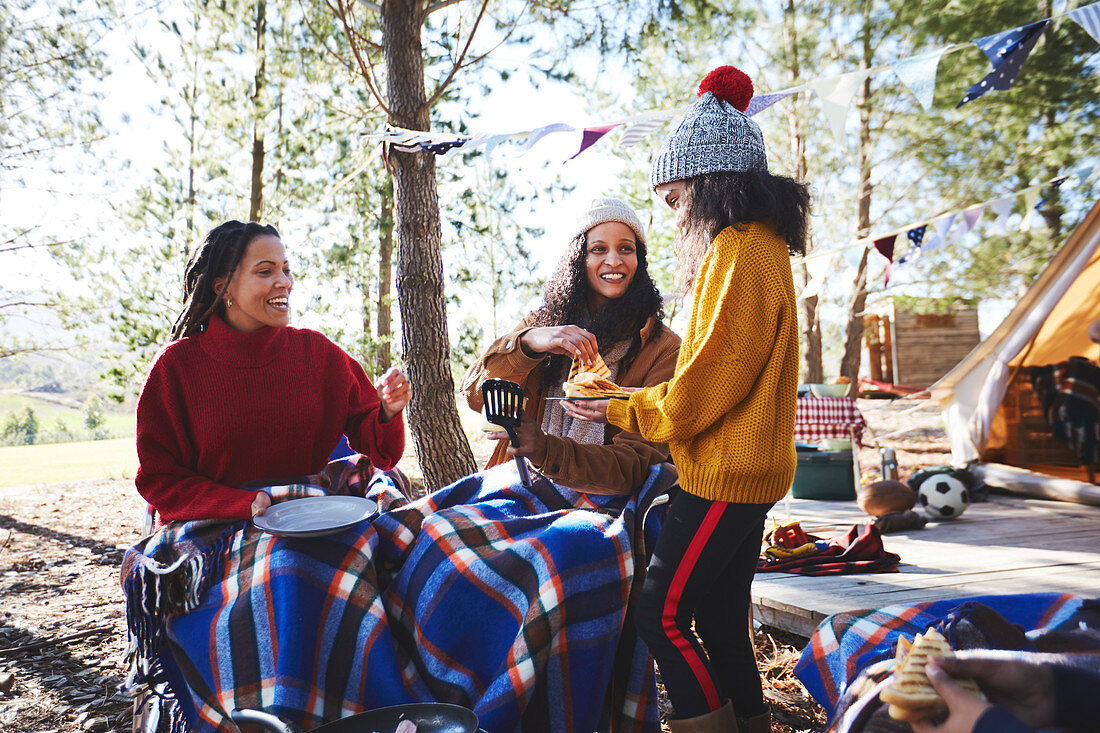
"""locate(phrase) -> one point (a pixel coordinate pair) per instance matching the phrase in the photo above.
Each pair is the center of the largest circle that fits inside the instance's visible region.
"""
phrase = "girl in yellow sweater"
(728, 411)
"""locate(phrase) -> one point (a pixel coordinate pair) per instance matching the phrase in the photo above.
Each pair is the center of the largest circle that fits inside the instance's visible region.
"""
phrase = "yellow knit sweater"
(727, 414)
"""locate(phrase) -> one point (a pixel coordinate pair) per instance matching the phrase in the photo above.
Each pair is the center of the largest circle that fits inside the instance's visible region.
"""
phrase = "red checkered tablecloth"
(818, 418)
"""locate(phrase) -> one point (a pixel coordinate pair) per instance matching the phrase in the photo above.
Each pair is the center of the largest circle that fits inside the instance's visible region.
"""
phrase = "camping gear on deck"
(429, 717)
(824, 475)
(889, 465)
(886, 497)
(860, 550)
(504, 407)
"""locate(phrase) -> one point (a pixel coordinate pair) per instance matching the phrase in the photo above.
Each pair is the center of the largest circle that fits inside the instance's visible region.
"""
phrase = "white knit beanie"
(715, 135)
(603, 210)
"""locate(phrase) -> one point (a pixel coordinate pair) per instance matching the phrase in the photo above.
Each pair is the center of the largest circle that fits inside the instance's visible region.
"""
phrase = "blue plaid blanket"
(509, 601)
(846, 644)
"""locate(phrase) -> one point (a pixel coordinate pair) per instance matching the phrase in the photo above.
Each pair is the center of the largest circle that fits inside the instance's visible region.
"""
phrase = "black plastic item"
(429, 717)
(504, 407)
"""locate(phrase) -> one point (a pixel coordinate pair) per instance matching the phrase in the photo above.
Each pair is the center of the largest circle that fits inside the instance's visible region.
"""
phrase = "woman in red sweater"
(239, 398)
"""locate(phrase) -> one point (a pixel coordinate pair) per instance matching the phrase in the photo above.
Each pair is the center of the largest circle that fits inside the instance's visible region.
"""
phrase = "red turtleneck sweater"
(224, 408)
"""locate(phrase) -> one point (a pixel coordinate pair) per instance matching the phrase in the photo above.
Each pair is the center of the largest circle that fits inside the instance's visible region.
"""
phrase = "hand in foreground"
(591, 410)
(260, 503)
(394, 392)
(1023, 688)
(572, 341)
(532, 442)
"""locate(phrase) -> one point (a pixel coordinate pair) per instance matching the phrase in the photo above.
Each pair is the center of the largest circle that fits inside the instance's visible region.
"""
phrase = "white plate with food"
(315, 516)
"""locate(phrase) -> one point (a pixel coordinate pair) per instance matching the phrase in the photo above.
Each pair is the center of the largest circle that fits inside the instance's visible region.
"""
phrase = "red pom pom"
(730, 84)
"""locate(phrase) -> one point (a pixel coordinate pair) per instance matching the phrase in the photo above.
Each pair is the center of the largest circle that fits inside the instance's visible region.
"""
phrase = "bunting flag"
(817, 270)
(1008, 51)
(941, 227)
(1002, 208)
(886, 244)
(591, 135)
(852, 255)
(639, 130)
(836, 94)
(1088, 18)
(915, 236)
(1083, 174)
(1031, 199)
(918, 74)
(885, 247)
(1054, 186)
(761, 102)
(970, 219)
(493, 141)
(541, 132)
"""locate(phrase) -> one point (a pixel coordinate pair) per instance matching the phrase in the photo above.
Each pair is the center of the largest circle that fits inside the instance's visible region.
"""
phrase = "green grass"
(119, 423)
(62, 462)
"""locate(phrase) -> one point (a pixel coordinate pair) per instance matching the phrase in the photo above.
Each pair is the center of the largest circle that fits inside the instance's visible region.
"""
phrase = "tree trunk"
(441, 445)
(256, 203)
(814, 373)
(853, 342)
(385, 274)
(191, 108)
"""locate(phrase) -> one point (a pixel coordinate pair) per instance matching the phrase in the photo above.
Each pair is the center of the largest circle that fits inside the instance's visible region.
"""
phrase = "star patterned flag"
(1088, 18)
(1008, 51)
(1054, 186)
(916, 236)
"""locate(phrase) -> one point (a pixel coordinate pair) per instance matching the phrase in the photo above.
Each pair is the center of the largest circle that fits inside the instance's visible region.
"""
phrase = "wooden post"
(874, 346)
(888, 348)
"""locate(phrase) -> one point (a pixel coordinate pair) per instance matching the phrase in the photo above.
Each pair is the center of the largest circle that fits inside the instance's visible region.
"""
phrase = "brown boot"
(721, 720)
(761, 723)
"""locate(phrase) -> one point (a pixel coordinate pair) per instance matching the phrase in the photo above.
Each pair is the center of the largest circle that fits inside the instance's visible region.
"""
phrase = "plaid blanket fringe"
(426, 599)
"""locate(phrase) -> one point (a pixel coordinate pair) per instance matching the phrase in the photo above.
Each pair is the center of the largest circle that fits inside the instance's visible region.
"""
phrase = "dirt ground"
(62, 620)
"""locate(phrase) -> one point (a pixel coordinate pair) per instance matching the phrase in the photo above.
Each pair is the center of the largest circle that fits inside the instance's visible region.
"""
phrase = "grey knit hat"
(603, 210)
(713, 136)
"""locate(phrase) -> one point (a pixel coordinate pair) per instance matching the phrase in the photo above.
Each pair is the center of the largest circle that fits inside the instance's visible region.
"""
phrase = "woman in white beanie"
(728, 411)
(600, 300)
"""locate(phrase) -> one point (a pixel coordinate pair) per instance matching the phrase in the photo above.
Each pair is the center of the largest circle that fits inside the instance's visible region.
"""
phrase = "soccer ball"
(943, 496)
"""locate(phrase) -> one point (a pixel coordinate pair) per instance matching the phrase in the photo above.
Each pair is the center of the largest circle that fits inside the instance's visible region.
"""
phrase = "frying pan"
(430, 717)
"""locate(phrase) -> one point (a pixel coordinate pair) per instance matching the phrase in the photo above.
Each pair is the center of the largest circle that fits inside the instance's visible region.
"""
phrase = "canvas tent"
(1048, 325)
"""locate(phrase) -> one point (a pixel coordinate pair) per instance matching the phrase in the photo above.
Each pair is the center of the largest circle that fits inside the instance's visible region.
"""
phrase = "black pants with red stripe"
(702, 569)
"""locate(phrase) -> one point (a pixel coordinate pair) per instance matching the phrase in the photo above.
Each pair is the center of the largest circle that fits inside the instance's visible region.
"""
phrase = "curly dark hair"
(565, 302)
(736, 198)
(217, 256)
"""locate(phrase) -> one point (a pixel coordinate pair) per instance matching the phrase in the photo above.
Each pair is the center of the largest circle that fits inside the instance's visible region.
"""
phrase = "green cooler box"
(824, 475)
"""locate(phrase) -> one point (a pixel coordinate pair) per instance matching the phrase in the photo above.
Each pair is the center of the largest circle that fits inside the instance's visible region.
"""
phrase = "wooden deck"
(1005, 545)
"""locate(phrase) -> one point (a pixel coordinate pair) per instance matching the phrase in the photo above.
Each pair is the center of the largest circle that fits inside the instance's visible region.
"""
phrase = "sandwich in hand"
(591, 381)
(910, 695)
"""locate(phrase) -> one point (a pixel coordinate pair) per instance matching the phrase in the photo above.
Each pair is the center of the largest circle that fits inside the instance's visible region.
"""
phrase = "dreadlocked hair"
(565, 302)
(716, 201)
(217, 256)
